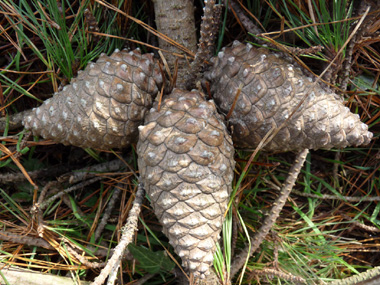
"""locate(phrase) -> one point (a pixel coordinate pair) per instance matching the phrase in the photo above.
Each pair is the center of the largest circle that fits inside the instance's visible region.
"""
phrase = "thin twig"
(246, 22)
(53, 171)
(334, 197)
(143, 279)
(43, 205)
(84, 260)
(327, 196)
(360, 225)
(369, 277)
(271, 273)
(84, 173)
(346, 66)
(39, 242)
(13, 156)
(300, 51)
(64, 172)
(107, 212)
(46, 188)
(126, 238)
(312, 16)
(23, 239)
(336, 168)
(257, 239)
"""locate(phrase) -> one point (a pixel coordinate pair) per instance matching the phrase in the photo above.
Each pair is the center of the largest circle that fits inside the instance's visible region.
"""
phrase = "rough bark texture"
(186, 162)
(175, 19)
(271, 90)
(103, 106)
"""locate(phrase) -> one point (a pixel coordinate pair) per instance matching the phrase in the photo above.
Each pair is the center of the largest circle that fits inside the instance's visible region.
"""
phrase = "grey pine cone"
(272, 87)
(186, 162)
(103, 106)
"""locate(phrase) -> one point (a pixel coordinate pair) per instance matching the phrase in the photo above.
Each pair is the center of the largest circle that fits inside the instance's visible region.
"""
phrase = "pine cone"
(103, 106)
(186, 165)
(271, 90)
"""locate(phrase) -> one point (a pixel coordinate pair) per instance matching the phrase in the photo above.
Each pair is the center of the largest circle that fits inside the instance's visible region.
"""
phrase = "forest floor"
(329, 228)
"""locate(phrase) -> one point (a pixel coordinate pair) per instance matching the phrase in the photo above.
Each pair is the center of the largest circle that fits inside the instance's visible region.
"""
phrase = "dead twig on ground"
(126, 238)
(257, 239)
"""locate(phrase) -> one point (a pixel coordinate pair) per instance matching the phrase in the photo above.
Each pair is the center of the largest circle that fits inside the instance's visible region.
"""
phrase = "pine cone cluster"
(271, 90)
(186, 161)
(103, 106)
(185, 152)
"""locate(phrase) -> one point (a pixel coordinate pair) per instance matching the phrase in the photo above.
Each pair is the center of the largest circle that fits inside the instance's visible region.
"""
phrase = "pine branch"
(175, 19)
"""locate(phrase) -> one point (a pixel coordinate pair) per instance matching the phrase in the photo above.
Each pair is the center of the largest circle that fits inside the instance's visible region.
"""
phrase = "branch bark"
(176, 20)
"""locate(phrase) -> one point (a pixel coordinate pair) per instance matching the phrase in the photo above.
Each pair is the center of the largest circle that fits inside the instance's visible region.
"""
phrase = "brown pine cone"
(272, 87)
(103, 106)
(186, 165)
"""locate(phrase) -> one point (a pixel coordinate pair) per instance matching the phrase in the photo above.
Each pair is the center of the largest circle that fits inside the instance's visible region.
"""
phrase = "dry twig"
(44, 204)
(246, 22)
(369, 277)
(39, 242)
(327, 196)
(257, 239)
(87, 172)
(270, 273)
(126, 238)
(107, 212)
